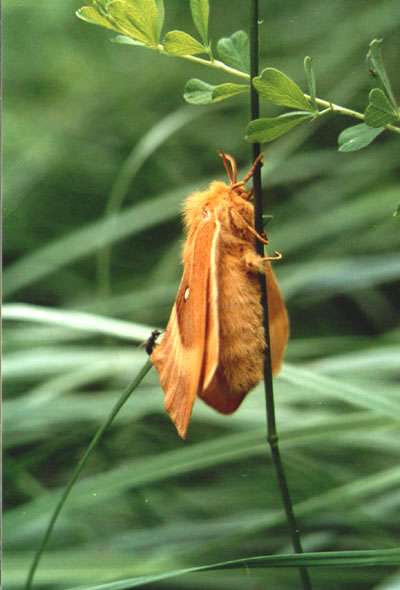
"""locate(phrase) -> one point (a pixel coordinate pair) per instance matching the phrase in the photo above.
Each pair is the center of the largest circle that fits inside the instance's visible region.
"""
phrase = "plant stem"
(272, 435)
(124, 397)
(211, 63)
(330, 106)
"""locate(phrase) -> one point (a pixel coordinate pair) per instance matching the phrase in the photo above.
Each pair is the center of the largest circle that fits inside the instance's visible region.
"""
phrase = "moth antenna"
(248, 176)
(278, 256)
(232, 174)
(254, 166)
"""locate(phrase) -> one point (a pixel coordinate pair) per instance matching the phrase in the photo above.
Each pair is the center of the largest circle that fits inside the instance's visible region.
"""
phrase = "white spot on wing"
(186, 294)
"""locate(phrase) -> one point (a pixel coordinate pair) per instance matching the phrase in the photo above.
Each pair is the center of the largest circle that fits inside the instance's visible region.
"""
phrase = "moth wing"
(278, 320)
(187, 356)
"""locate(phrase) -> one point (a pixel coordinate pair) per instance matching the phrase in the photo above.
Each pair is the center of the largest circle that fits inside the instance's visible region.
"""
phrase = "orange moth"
(214, 344)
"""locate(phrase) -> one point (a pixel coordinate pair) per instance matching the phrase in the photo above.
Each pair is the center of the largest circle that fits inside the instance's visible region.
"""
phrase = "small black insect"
(151, 341)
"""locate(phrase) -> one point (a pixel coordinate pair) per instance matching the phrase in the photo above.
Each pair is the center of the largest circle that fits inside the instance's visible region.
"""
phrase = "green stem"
(329, 106)
(124, 397)
(272, 434)
(213, 63)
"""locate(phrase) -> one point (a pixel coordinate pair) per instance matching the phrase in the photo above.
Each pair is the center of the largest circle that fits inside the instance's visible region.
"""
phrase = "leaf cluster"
(141, 22)
(279, 89)
(139, 27)
(382, 109)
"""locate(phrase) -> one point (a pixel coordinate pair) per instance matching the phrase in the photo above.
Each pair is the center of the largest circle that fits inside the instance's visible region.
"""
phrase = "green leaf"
(278, 88)
(375, 62)
(267, 220)
(379, 112)
(200, 10)
(265, 130)
(227, 90)
(357, 137)
(143, 14)
(180, 43)
(91, 15)
(311, 81)
(100, 5)
(235, 51)
(327, 559)
(397, 212)
(136, 18)
(125, 40)
(161, 14)
(140, 20)
(199, 92)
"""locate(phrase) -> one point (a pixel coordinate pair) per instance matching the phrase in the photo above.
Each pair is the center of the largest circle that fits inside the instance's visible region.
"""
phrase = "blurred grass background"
(85, 119)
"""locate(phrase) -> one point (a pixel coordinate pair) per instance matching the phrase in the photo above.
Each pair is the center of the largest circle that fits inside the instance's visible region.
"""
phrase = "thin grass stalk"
(121, 401)
(272, 434)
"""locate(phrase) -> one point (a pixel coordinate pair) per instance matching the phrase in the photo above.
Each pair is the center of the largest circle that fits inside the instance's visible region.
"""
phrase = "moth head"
(225, 201)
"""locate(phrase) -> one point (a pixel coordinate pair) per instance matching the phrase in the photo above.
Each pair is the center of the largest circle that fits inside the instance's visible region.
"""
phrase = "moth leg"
(263, 238)
(277, 256)
(254, 262)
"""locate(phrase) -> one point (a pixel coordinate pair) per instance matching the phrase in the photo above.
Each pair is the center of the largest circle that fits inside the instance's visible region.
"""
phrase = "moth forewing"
(188, 354)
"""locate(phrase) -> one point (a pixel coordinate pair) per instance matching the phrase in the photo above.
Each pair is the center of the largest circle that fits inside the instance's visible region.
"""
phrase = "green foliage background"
(85, 119)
